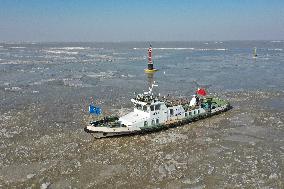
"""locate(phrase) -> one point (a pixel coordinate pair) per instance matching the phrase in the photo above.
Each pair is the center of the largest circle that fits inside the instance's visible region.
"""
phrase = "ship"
(254, 52)
(152, 112)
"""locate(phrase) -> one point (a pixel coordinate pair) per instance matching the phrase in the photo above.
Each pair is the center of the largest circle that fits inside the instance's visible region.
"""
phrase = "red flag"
(201, 92)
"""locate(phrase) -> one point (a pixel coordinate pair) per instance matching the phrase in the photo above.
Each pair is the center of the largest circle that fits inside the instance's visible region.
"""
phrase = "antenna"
(151, 88)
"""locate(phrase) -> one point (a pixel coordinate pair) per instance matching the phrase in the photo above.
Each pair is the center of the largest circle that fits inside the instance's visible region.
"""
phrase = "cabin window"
(193, 112)
(185, 114)
(189, 113)
(138, 106)
(145, 123)
(158, 107)
(145, 108)
(171, 112)
(152, 108)
(198, 111)
(157, 121)
(153, 122)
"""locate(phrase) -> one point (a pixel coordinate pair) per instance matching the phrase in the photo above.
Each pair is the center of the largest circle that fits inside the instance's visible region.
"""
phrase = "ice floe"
(61, 52)
(183, 48)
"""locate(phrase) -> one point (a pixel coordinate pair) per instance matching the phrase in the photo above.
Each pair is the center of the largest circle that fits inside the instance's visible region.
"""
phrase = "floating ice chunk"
(273, 176)
(277, 49)
(162, 171)
(61, 52)
(184, 48)
(71, 48)
(30, 176)
(167, 48)
(13, 89)
(208, 139)
(276, 41)
(109, 74)
(170, 168)
(17, 47)
(212, 49)
(45, 185)
(211, 169)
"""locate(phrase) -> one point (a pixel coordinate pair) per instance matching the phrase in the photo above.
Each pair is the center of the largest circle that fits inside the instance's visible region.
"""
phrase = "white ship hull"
(102, 132)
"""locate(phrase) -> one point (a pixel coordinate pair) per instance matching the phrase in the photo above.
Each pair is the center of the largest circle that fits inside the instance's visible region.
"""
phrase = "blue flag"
(95, 110)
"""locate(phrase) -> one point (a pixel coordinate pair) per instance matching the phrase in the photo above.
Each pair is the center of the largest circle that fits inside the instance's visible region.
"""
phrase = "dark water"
(45, 89)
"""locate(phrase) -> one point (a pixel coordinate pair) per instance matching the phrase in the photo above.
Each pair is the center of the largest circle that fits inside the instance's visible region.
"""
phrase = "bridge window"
(185, 114)
(153, 122)
(152, 108)
(145, 123)
(145, 108)
(158, 107)
(171, 112)
(157, 121)
(138, 106)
